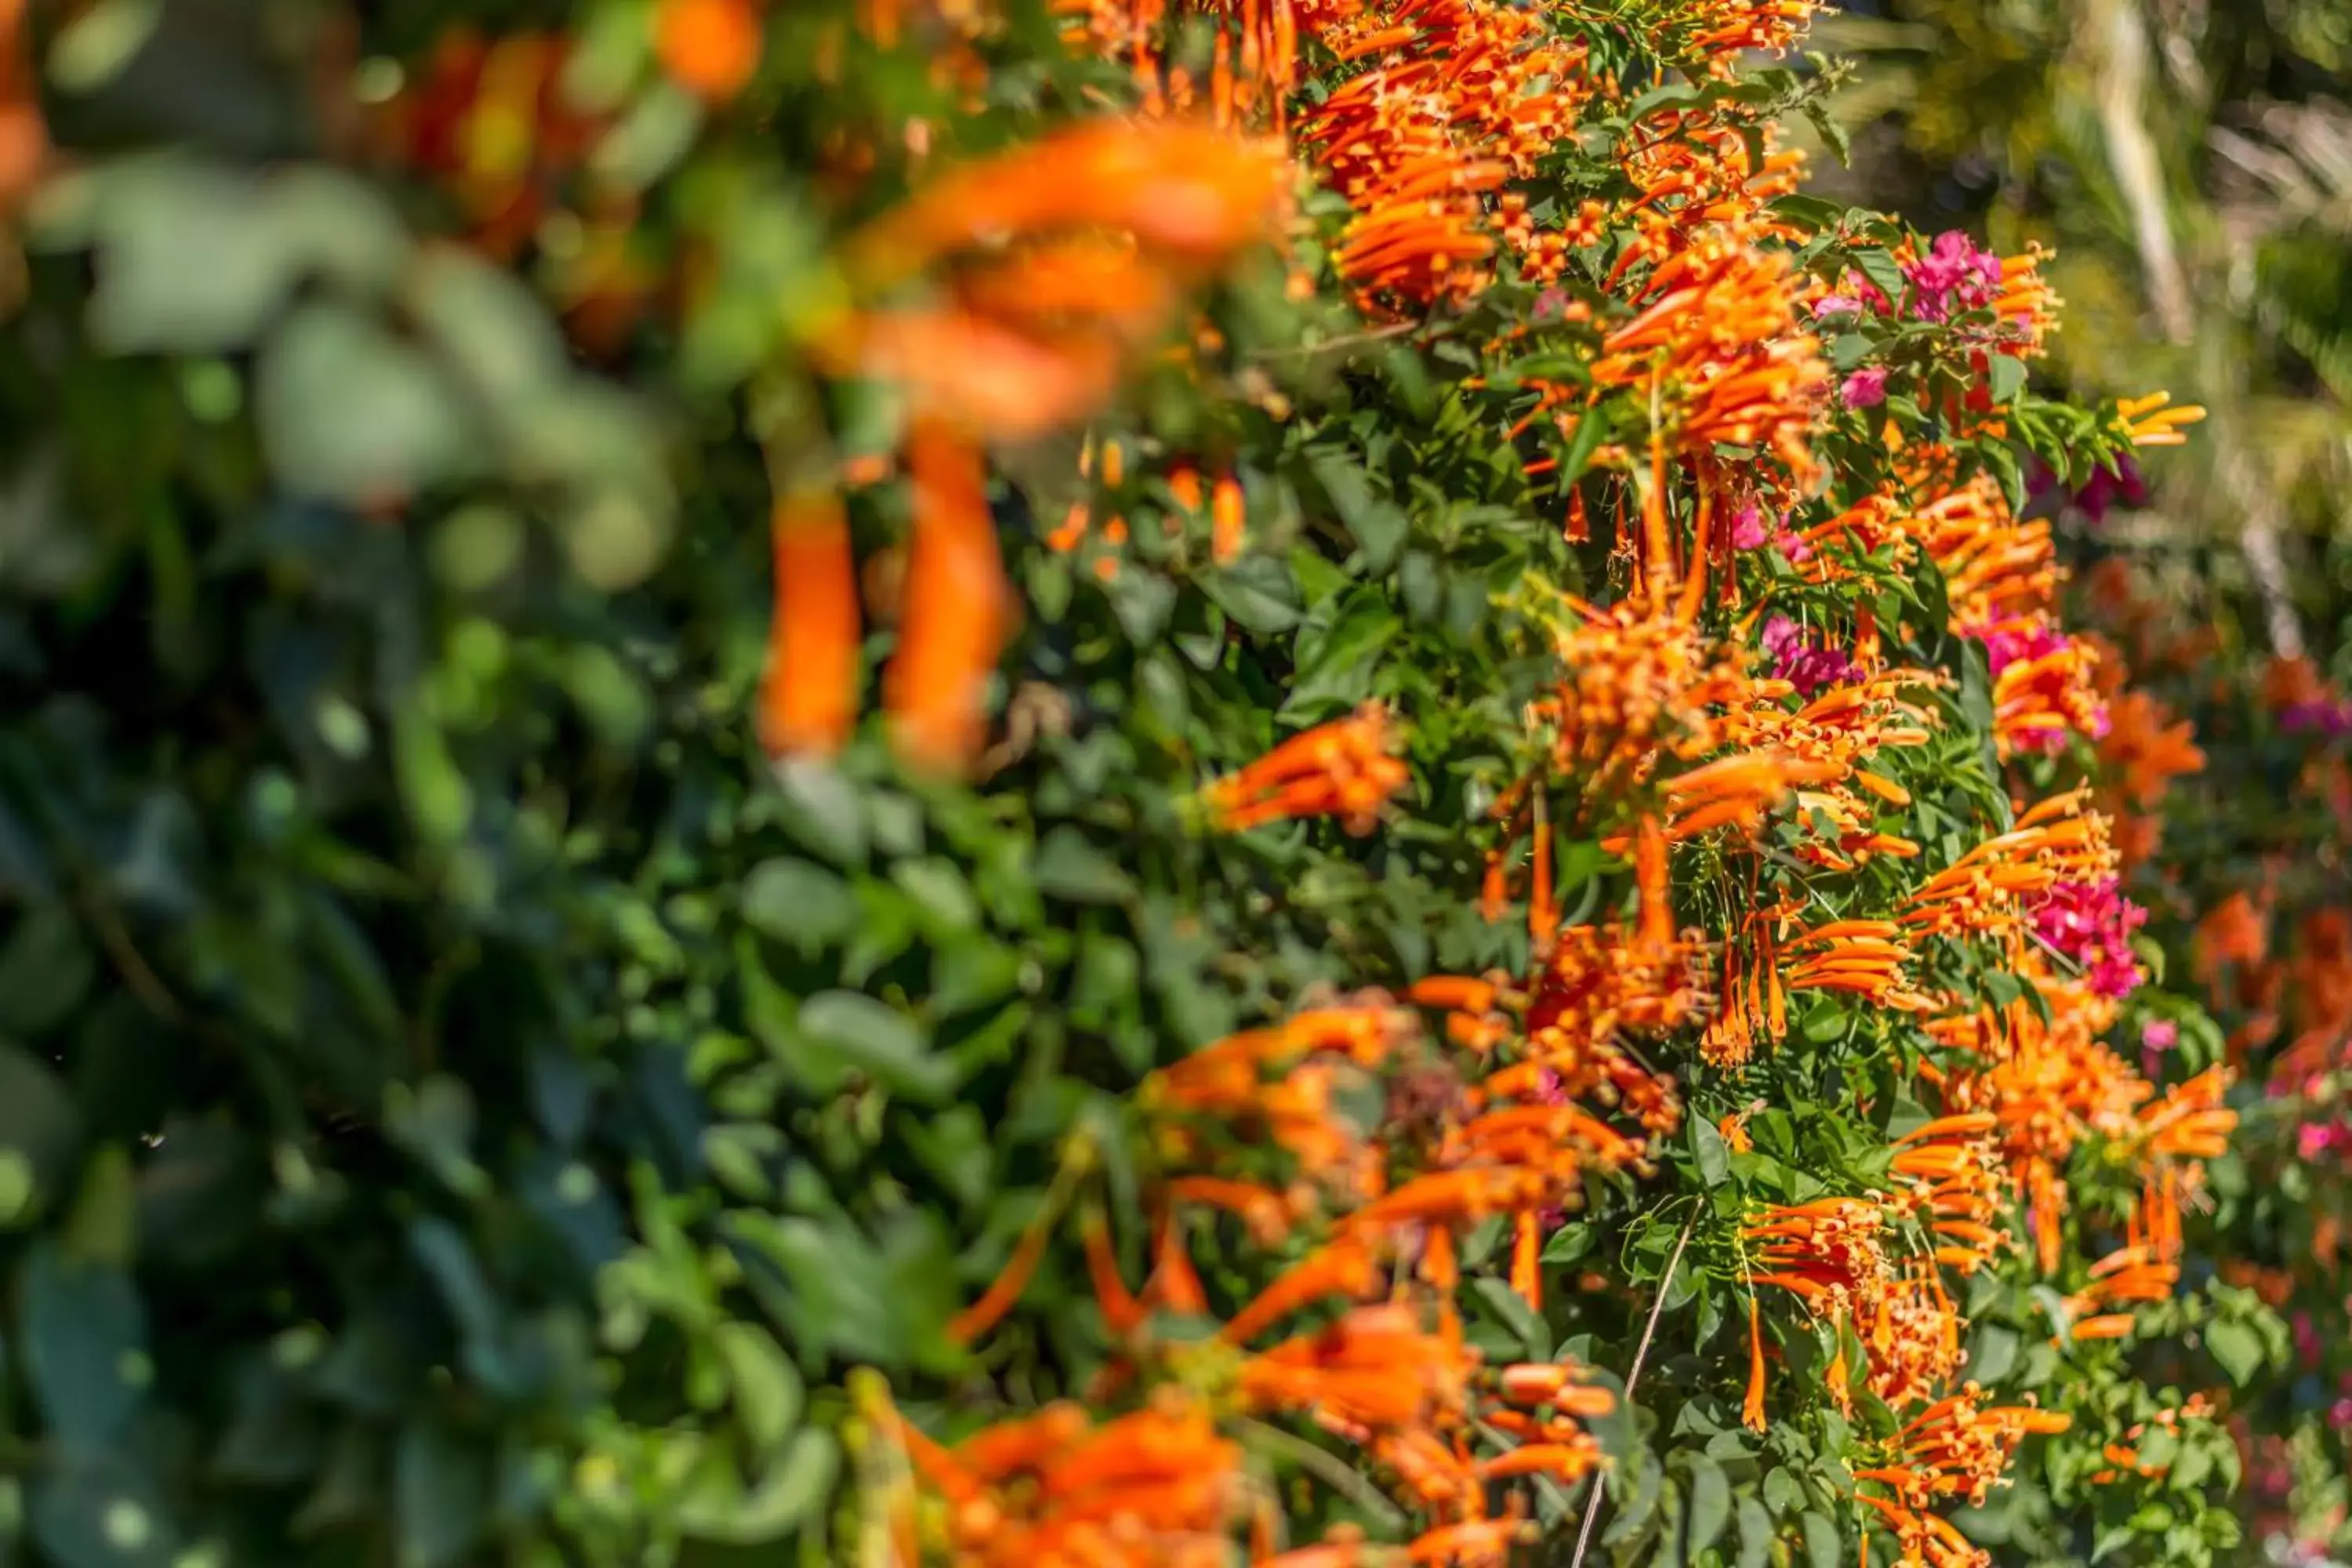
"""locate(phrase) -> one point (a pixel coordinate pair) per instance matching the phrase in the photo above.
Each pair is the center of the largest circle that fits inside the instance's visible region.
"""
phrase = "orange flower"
(1956, 1450)
(1342, 769)
(956, 607)
(2150, 423)
(1188, 193)
(1717, 342)
(1828, 1253)
(1375, 1367)
(2191, 1121)
(2123, 1278)
(2026, 304)
(1159, 1485)
(808, 692)
(1953, 1182)
(2231, 932)
(1228, 517)
(1072, 251)
(710, 47)
(1459, 97)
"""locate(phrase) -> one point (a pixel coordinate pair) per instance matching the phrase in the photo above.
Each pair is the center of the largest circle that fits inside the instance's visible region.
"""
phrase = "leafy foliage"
(1352, 777)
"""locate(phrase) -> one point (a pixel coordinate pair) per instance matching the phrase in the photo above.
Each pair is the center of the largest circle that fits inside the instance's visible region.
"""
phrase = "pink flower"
(1790, 545)
(1953, 275)
(2160, 1036)
(1808, 665)
(2314, 1139)
(1747, 526)
(2020, 643)
(2091, 924)
(1866, 388)
(1837, 305)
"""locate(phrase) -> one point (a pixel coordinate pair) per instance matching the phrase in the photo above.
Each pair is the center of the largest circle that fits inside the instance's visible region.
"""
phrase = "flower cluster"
(1723, 820)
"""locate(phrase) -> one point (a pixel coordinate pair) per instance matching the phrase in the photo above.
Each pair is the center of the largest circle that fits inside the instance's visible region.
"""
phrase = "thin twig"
(1632, 1377)
(1345, 345)
(1336, 1472)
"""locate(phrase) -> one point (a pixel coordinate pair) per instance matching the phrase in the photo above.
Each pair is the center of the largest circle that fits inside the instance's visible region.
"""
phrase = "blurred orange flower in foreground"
(1006, 298)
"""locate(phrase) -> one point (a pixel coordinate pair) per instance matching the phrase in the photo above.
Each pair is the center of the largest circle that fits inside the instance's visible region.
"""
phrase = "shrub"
(1384, 850)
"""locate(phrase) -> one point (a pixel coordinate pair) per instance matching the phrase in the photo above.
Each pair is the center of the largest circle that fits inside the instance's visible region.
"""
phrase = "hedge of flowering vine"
(1272, 781)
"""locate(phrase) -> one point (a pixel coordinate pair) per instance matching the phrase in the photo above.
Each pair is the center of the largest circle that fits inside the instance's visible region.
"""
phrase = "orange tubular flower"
(1187, 191)
(1717, 335)
(2122, 1280)
(2026, 304)
(1342, 769)
(1738, 790)
(1828, 1253)
(808, 692)
(1228, 517)
(2191, 1121)
(1375, 1367)
(1074, 248)
(1751, 1409)
(2150, 422)
(1277, 1084)
(1953, 1182)
(1980, 893)
(956, 606)
(1954, 1451)
(1459, 97)
(1636, 679)
(1863, 958)
(1158, 1486)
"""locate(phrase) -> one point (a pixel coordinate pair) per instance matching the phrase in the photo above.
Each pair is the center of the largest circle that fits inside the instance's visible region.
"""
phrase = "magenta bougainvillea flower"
(2091, 923)
(1805, 664)
(1866, 388)
(1953, 277)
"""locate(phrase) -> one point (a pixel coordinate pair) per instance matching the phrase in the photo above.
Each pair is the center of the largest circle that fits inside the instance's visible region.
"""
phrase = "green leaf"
(2006, 377)
(1336, 665)
(1831, 129)
(798, 903)
(102, 1230)
(1377, 527)
(440, 1494)
(1993, 1352)
(1511, 1308)
(1708, 1509)
(1755, 1532)
(1069, 869)
(100, 1509)
(1713, 1158)
(438, 799)
(194, 258)
(2238, 1348)
(800, 1481)
(349, 413)
(818, 806)
(487, 324)
(1257, 591)
(1591, 431)
(45, 968)
(39, 1130)
(1881, 269)
(1823, 1549)
(768, 1389)
(84, 1342)
(941, 892)
(883, 1043)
